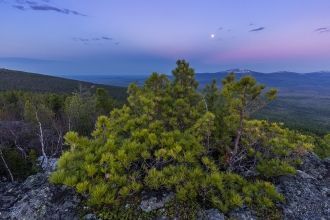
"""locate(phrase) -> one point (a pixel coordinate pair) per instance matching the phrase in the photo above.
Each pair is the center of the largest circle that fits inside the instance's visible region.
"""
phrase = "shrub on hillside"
(322, 146)
(166, 138)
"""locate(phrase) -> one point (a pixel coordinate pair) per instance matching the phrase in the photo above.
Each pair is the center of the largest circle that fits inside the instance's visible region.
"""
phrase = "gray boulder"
(308, 192)
(211, 214)
(242, 214)
(150, 203)
(36, 198)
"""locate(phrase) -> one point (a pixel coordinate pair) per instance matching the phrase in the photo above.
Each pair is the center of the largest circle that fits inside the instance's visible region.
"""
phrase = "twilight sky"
(141, 36)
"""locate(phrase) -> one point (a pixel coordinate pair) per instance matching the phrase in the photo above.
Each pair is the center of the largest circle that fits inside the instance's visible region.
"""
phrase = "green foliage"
(58, 177)
(55, 102)
(211, 95)
(274, 167)
(322, 146)
(36, 109)
(20, 167)
(252, 146)
(80, 111)
(183, 210)
(11, 105)
(32, 160)
(166, 139)
(234, 103)
(104, 103)
(241, 98)
(21, 112)
(274, 150)
(128, 213)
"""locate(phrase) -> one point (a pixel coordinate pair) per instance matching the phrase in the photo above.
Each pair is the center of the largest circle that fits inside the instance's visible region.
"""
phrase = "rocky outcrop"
(36, 198)
(307, 197)
(308, 192)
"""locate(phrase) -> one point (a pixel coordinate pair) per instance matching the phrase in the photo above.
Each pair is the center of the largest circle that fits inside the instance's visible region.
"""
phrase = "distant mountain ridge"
(288, 83)
(303, 102)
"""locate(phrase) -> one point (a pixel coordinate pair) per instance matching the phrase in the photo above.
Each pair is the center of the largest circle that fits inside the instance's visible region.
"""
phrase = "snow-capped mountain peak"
(239, 70)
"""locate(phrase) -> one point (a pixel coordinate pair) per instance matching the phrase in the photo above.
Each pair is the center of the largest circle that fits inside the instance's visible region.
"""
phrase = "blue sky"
(139, 37)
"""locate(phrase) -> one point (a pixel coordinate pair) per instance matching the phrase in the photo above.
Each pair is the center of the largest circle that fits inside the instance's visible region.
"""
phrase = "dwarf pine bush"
(165, 139)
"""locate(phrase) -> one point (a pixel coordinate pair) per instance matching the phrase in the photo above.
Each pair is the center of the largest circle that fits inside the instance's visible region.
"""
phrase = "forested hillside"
(17, 80)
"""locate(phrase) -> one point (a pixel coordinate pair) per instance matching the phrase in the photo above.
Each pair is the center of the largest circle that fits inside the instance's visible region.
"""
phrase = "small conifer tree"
(163, 140)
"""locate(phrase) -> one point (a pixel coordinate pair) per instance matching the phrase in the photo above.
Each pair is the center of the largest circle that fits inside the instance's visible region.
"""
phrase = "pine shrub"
(165, 139)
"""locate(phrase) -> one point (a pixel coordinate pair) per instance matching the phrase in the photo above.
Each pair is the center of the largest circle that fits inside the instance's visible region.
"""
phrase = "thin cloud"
(19, 7)
(322, 30)
(43, 6)
(55, 9)
(107, 38)
(258, 29)
(31, 2)
(77, 13)
(94, 40)
(81, 39)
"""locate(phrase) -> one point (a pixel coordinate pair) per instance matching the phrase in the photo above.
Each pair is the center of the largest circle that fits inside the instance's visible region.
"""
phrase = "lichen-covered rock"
(211, 214)
(50, 166)
(308, 192)
(242, 214)
(36, 198)
(90, 216)
(151, 203)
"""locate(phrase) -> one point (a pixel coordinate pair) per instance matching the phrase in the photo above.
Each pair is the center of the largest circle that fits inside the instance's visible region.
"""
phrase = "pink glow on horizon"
(276, 50)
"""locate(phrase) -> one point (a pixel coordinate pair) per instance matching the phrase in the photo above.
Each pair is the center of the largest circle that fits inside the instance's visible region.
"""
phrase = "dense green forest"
(206, 146)
(303, 113)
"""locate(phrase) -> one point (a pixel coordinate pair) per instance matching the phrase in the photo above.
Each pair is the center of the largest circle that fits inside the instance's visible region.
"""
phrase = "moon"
(212, 35)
